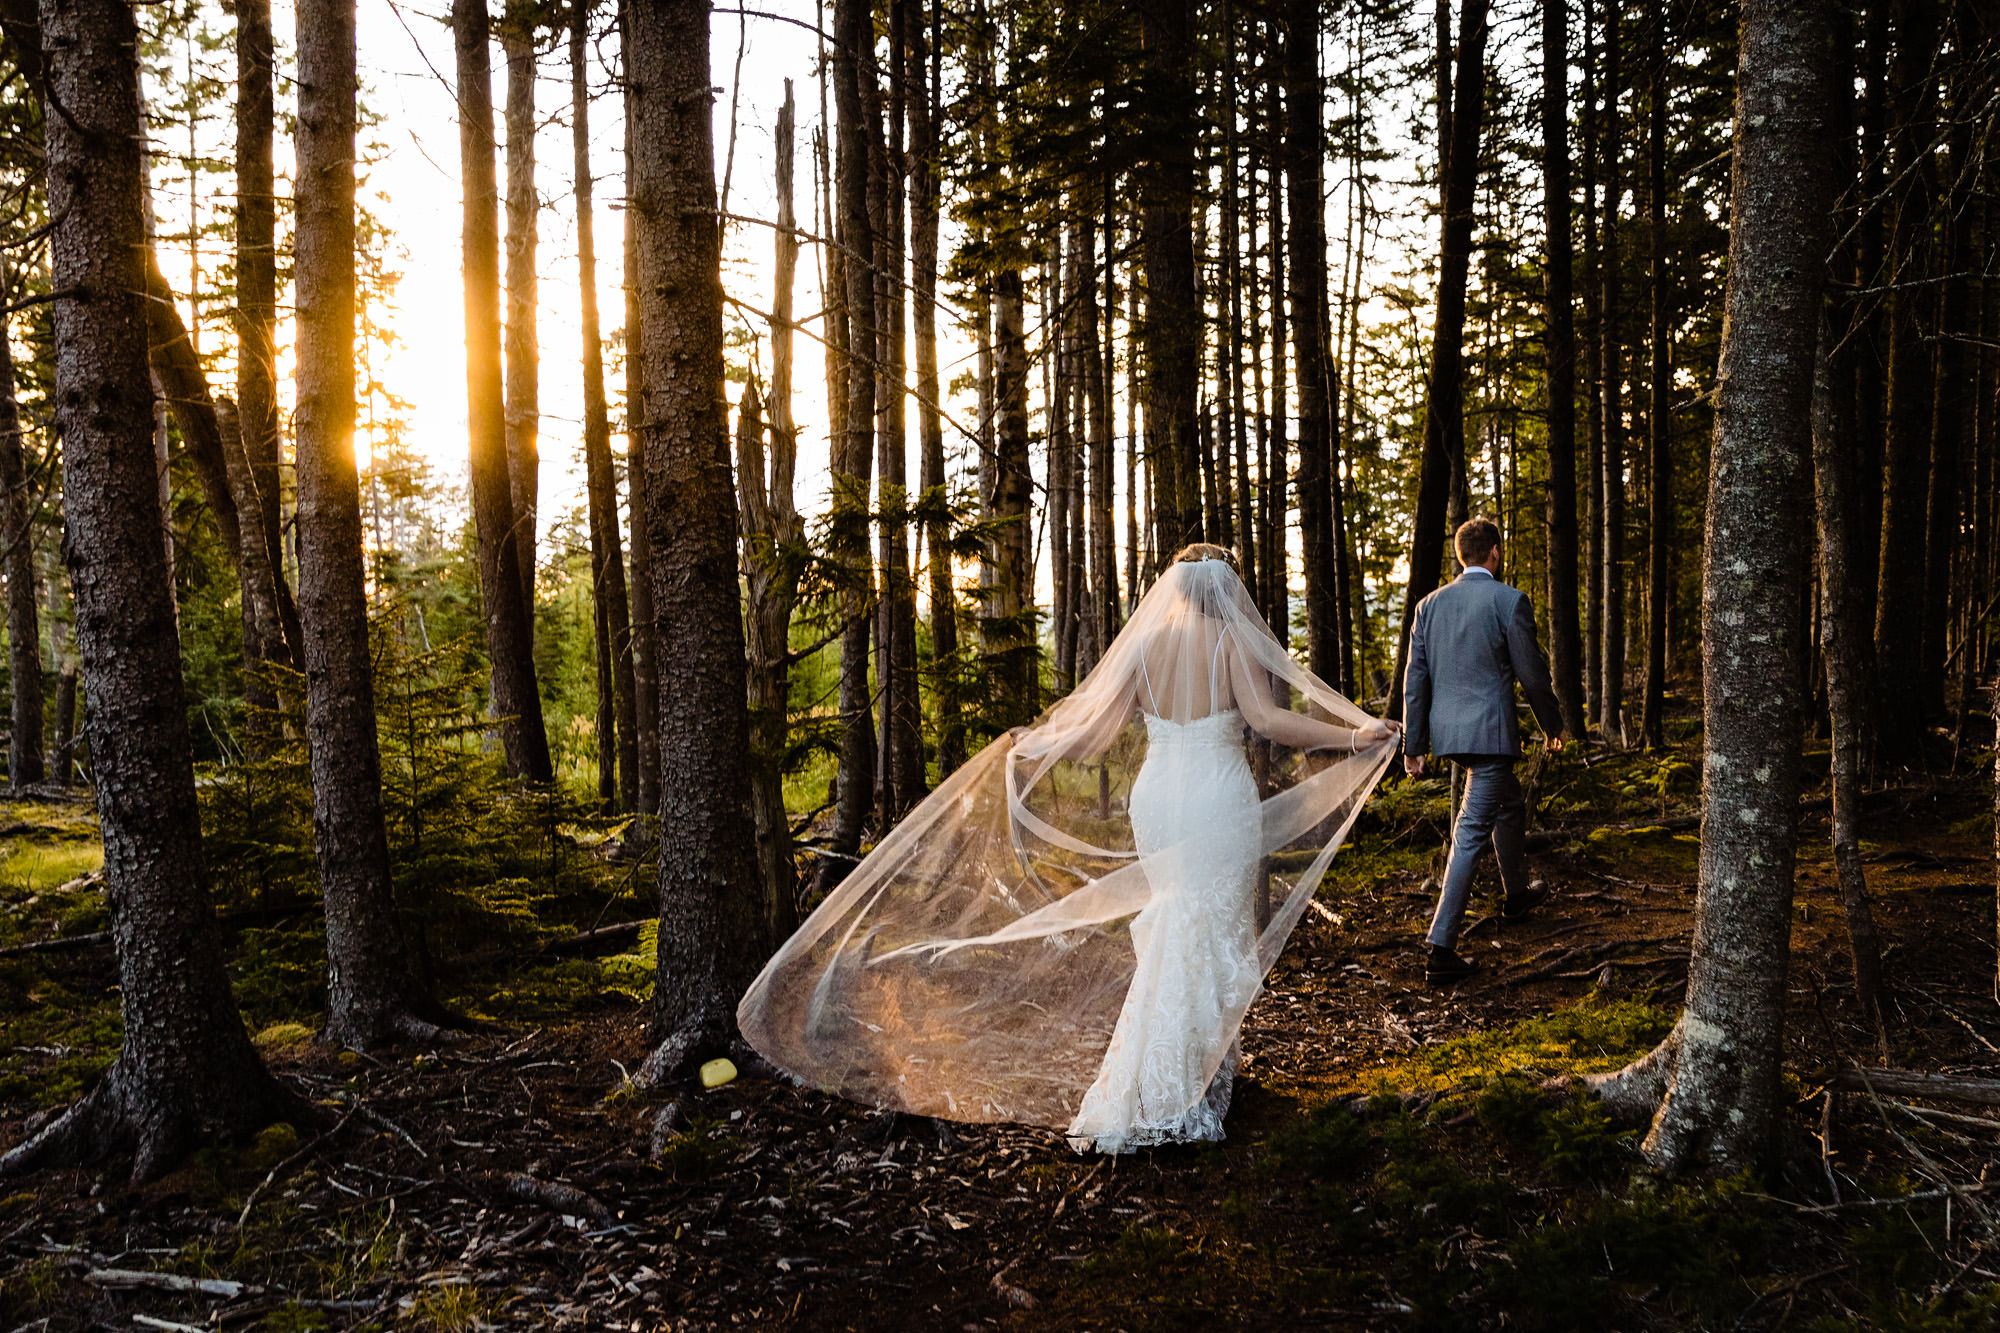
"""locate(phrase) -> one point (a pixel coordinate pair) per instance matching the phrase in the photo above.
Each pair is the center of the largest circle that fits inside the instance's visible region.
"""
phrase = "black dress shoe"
(1443, 966)
(1517, 905)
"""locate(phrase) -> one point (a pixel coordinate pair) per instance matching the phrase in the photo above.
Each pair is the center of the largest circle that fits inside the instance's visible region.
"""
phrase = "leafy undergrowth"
(1398, 1156)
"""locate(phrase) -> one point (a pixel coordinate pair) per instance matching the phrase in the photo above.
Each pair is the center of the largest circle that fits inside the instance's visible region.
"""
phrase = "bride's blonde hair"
(1194, 551)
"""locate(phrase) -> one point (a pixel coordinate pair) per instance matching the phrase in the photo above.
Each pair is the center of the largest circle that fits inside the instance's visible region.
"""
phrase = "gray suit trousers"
(1493, 809)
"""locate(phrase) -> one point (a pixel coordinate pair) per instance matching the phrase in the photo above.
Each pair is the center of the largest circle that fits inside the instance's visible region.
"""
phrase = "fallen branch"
(61, 944)
(1915, 1083)
(281, 1167)
(129, 1278)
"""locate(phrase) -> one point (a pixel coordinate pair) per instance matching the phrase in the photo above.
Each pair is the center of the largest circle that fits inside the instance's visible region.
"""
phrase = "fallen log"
(1916, 1083)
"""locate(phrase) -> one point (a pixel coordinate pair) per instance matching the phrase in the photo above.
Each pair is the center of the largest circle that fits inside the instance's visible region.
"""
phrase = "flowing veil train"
(976, 964)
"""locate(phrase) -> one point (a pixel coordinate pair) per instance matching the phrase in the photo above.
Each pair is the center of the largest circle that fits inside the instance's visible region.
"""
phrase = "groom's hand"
(1413, 764)
(1555, 743)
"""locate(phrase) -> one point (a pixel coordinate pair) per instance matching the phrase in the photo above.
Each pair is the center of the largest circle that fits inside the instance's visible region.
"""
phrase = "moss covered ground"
(1398, 1156)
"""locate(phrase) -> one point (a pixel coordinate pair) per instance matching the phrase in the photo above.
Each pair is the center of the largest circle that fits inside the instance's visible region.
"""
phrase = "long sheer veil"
(973, 965)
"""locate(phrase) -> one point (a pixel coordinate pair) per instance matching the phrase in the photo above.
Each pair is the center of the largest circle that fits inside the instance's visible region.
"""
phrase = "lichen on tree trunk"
(1718, 1072)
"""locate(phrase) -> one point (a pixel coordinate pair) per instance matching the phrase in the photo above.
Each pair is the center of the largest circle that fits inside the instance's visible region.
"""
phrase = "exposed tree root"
(1633, 1094)
(157, 1127)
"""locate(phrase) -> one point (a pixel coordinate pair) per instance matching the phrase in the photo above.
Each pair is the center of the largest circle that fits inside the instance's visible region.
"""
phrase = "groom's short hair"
(1475, 540)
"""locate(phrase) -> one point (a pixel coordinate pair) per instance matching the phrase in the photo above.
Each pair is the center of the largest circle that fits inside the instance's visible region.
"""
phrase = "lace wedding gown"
(1195, 819)
(1065, 932)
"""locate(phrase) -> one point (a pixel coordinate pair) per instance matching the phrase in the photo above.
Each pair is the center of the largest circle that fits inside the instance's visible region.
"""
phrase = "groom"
(1470, 641)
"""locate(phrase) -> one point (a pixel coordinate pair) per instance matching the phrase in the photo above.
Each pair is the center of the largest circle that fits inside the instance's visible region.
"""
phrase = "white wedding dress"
(1066, 932)
(1195, 819)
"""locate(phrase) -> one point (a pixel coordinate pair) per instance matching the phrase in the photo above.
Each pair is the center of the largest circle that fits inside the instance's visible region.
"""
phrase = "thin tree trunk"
(1279, 562)
(1098, 371)
(373, 995)
(1305, 172)
(1593, 388)
(509, 642)
(853, 451)
(186, 1072)
(1444, 420)
(712, 928)
(1172, 330)
(645, 627)
(1565, 640)
(1611, 369)
(902, 710)
(1715, 1080)
(1007, 626)
(24, 635)
(256, 490)
(774, 553)
(1660, 500)
(607, 556)
(924, 219)
(1840, 635)
(1899, 598)
(517, 42)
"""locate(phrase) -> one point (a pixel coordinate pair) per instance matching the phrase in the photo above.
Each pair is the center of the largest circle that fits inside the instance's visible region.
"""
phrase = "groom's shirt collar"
(1479, 570)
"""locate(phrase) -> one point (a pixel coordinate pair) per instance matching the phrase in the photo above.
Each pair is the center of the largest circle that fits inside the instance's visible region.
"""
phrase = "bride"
(1068, 931)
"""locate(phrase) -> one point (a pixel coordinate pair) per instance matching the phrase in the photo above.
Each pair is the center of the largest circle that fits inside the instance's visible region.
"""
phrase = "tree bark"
(1719, 1070)
(1593, 396)
(1305, 142)
(24, 634)
(1172, 333)
(523, 356)
(257, 490)
(1660, 499)
(645, 628)
(902, 709)
(712, 935)
(1611, 370)
(1444, 418)
(607, 555)
(1007, 626)
(186, 1072)
(1841, 639)
(853, 445)
(509, 639)
(1559, 347)
(1899, 598)
(919, 57)
(774, 556)
(373, 995)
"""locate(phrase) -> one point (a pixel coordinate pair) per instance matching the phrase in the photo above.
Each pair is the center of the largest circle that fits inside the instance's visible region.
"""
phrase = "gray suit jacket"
(1470, 641)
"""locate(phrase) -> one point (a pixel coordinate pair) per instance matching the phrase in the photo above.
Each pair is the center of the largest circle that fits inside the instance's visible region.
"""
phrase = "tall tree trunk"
(256, 489)
(853, 451)
(607, 555)
(712, 925)
(1952, 405)
(774, 555)
(523, 388)
(919, 56)
(1444, 417)
(24, 634)
(509, 640)
(1593, 387)
(1715, 1080)
(1899, 597)
(1097, 369)
(186, 1072)
(1611, 370)
(373, 995)
(1660, 501)
(1172, 332)
(645, 628)
(1559, 346)
(1007, 624)
(1841, 634)
(1278, 563)
(902, 709)
(1305, 142)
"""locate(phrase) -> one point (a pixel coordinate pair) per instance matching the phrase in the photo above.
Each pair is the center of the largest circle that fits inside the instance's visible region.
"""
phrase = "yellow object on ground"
(716, 1073)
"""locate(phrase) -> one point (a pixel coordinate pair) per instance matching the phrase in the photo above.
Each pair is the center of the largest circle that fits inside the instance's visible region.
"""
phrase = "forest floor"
(1397, 1155)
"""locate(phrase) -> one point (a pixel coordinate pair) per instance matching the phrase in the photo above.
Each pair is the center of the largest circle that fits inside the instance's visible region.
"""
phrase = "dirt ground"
(518, 1180)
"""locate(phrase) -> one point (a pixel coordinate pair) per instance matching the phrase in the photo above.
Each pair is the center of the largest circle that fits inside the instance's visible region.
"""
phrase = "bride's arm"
(1253, 699)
